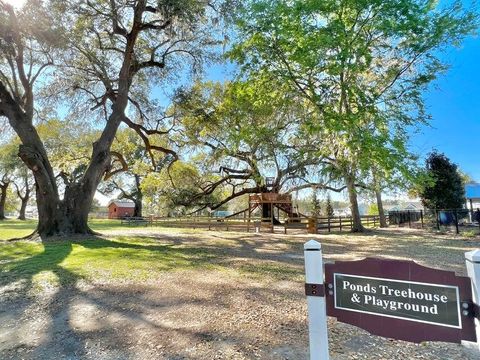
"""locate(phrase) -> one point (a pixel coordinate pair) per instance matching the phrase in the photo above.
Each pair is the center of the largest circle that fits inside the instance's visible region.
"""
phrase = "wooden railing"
(270, 197)
(256, 224)
(134, 221)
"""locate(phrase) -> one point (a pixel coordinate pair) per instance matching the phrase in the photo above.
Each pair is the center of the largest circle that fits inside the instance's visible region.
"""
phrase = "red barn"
(118, 209)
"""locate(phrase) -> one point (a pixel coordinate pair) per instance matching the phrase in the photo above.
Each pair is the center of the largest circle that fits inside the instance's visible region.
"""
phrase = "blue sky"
(454, 103)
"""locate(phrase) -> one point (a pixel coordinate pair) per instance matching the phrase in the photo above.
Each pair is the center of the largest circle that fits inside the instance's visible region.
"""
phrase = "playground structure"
(269, 211)
(268, 203)
(266, 212)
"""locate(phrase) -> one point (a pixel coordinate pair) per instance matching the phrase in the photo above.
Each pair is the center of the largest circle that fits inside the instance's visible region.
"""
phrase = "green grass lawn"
(96, 259)
(130, 257)
(16, 228)
(13, 228)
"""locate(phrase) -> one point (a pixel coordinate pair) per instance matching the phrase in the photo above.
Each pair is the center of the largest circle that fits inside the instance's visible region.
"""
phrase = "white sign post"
(316, 292)
(473, 271)
(317, 311)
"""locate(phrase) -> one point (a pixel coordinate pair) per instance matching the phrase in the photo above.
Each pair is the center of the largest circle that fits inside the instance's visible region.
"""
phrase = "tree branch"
(123, 162)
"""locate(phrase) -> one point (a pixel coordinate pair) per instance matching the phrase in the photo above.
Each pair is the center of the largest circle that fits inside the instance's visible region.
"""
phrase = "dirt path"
(249, 306)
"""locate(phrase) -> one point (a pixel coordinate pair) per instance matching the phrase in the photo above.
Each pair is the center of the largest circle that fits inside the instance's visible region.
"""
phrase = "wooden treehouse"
(271, 204)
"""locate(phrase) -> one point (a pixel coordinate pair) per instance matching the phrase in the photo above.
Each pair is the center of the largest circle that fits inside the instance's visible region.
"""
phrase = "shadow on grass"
(97, 251)
(65, 259)
(25, 269)
(139, 259)
(60, 259)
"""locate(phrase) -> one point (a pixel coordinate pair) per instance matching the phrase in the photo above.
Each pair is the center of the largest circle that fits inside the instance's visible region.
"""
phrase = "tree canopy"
(361, 65)
(246, 131)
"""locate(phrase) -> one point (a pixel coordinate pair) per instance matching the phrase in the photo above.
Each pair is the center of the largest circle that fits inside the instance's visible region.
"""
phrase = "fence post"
(409, 219)
(271, 210)
(471, 210)
(317, 311)
(436, 218)
(456, 221)
(421, 217)
(473, 270)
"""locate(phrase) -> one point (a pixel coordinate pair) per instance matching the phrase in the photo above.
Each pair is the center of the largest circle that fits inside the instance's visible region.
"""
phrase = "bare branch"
(117, 28)
(119, 158)
(139, 129)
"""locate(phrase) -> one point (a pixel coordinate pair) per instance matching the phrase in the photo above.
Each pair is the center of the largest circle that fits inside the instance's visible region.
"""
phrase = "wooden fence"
(257, 224)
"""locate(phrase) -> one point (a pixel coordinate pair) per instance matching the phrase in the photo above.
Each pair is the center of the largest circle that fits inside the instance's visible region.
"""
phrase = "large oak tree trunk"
(3, 199)
(352, 194)
(381, 211)
(23, 208)
(55, 216)
(33, 154)
(138, 211)
(70, 214)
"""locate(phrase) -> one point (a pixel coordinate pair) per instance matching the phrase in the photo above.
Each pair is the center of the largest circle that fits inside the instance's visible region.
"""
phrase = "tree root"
(37, 237)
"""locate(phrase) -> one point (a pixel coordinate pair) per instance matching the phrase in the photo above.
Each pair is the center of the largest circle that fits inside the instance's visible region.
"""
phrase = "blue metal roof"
(223, 213)
(472, 191)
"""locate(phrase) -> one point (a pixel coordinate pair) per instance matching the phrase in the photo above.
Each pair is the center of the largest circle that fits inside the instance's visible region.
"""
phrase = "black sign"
(413, 301)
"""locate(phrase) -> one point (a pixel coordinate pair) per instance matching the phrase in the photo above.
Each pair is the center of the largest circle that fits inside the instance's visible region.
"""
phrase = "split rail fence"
(441, 219)
(258, 224)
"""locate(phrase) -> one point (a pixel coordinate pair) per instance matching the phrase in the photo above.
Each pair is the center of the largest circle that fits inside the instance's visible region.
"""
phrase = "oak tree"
(361, 64)
(104, 54)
